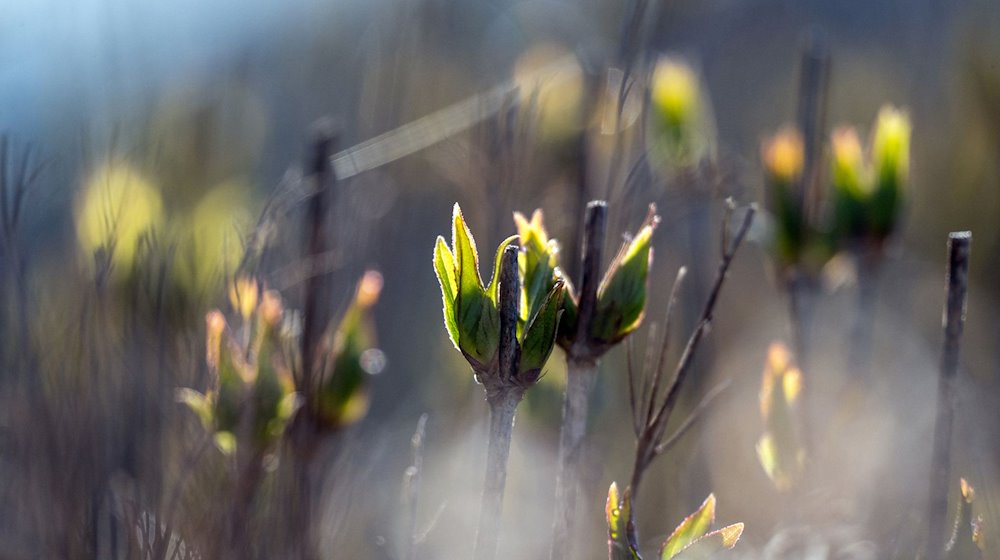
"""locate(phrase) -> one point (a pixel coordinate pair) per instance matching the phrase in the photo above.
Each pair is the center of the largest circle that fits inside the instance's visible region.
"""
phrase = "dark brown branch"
(959, 246)
(319, 171)
(591, 250)
(813, 88)
(508, 306)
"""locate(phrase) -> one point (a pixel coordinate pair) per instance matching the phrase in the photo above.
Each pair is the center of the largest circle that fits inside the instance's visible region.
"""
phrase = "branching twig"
(959, 245)
(651, 441)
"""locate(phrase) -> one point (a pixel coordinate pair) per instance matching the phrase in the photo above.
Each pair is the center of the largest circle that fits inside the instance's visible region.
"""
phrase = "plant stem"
(580, 375)
(503, 393)
(959, 245)
(580, 379)
(503, 406)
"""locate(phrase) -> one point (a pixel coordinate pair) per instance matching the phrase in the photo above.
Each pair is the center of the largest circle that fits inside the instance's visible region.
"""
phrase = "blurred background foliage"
(161, 131)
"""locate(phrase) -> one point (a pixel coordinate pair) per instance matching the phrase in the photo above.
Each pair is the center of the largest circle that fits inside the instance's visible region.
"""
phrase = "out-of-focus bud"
(851, 185)
(243, 294)
(117, 206)
(780, 450)
(891, 162)
(678, 113)
(251, 395)
(351, 358)
(783, 156)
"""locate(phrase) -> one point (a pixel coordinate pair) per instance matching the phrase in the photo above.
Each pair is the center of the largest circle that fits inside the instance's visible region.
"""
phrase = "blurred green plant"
(780, 449)
(251, 394)
(680, 127)
(869, 195)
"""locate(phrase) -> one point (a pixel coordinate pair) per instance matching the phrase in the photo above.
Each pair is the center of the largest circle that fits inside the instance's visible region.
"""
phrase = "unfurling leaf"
(540, 335)
(716, 541)
(691, 529)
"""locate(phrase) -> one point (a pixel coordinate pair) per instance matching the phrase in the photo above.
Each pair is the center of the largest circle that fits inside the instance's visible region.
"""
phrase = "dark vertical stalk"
(503, 395)
(580, 376)
(959, 246)
(802, 287)
(319, 171)
(316, 315)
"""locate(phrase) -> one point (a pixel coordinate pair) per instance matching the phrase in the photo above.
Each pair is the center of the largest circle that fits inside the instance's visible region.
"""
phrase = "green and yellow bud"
(621, 296)
(851, 183)
(783, 156)
(471, 310)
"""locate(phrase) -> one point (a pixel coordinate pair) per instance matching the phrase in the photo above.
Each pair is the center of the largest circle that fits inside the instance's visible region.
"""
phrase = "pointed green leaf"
(706, 546)
(444, 267)
(540, 335)
(691, 529)
(476, 319)
(466, 255)
(621, 298)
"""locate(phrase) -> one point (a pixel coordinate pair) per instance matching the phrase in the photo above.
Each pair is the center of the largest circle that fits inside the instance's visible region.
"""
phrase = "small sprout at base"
(967, 541)
(618, 514)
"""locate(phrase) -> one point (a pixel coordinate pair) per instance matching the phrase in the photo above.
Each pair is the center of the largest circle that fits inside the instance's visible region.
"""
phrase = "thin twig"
(695, 415)
(959, 245)
(413, 478)
(661, 365)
